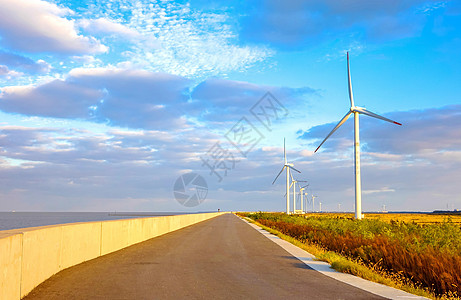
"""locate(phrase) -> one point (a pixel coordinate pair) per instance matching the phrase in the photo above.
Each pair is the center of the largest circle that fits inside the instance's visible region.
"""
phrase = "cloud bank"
(140, 99)
(39, 26)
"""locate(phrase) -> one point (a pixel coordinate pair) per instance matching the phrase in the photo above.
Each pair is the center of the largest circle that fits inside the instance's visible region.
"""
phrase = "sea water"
(14, 220)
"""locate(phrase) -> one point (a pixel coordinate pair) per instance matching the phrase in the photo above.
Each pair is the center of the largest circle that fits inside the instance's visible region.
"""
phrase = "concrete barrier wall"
(31, 255)
(10, 265)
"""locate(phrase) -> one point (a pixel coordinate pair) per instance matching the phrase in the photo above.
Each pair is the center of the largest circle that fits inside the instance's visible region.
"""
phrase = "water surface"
(14, 220)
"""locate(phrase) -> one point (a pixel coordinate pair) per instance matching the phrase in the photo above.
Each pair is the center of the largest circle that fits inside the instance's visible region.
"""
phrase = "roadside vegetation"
(420, 218)
(423, 258)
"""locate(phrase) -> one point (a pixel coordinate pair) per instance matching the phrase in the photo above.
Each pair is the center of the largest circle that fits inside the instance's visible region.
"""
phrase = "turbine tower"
(286, 166)
(356, 110)
(294, 193)
(306, 201)
(313, 202)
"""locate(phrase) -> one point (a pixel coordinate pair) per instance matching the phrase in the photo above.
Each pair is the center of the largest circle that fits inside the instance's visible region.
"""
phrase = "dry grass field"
(417, 250)
(419, 218)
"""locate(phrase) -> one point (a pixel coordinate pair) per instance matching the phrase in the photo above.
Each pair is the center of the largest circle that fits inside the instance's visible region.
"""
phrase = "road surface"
(221, 258)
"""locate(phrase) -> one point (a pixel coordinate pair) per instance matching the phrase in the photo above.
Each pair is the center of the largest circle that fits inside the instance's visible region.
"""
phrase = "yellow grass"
(420, 218)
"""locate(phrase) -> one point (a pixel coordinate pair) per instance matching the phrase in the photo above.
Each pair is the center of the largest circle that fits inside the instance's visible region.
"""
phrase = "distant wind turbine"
(294, 182)
(313, 202)
(356, 111)
(286, 166)
(306, 201)
(301, 192)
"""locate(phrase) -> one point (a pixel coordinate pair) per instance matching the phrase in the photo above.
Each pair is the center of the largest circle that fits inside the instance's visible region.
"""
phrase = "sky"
(105, 105)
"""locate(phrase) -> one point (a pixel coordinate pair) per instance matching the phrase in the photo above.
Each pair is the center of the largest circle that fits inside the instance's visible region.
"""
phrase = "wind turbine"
(313, 202)
(294, 182)
(306, 202)
(301, 192)
(286, 166)
(356, 111)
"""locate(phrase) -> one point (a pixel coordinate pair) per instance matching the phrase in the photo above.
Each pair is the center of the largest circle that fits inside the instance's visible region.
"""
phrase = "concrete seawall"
(29, 256)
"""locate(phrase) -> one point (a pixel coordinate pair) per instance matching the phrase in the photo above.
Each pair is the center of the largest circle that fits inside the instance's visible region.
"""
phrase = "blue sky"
(104, 104)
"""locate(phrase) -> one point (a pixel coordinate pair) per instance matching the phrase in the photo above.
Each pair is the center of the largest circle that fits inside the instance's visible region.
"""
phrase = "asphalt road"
(222, 258)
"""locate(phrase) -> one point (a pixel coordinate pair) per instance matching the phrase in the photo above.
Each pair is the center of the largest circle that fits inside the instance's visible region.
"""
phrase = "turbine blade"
(294, 169)
(278, 174)
(351, 97)
(305, 186)
(371, 114)
(292, 179)
(344, 119)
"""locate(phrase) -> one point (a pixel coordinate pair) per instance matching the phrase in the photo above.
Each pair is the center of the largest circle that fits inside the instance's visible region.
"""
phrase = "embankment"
(29, 256)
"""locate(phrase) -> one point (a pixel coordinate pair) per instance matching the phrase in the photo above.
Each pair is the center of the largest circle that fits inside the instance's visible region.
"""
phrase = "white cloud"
(65, 169)
(382, 190)
(179, 40)
(166, 37)
(24, 64)
(142, 99)
(57, 98)
(428, 8)
(44, 67)
(133, 98)
(40, 26)
(221, 100)
(88, 61)
(105, 26)
(7, 73)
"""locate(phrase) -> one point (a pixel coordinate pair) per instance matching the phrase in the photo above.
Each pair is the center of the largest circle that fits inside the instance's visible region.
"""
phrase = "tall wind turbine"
(356, 111)
(286, 166)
